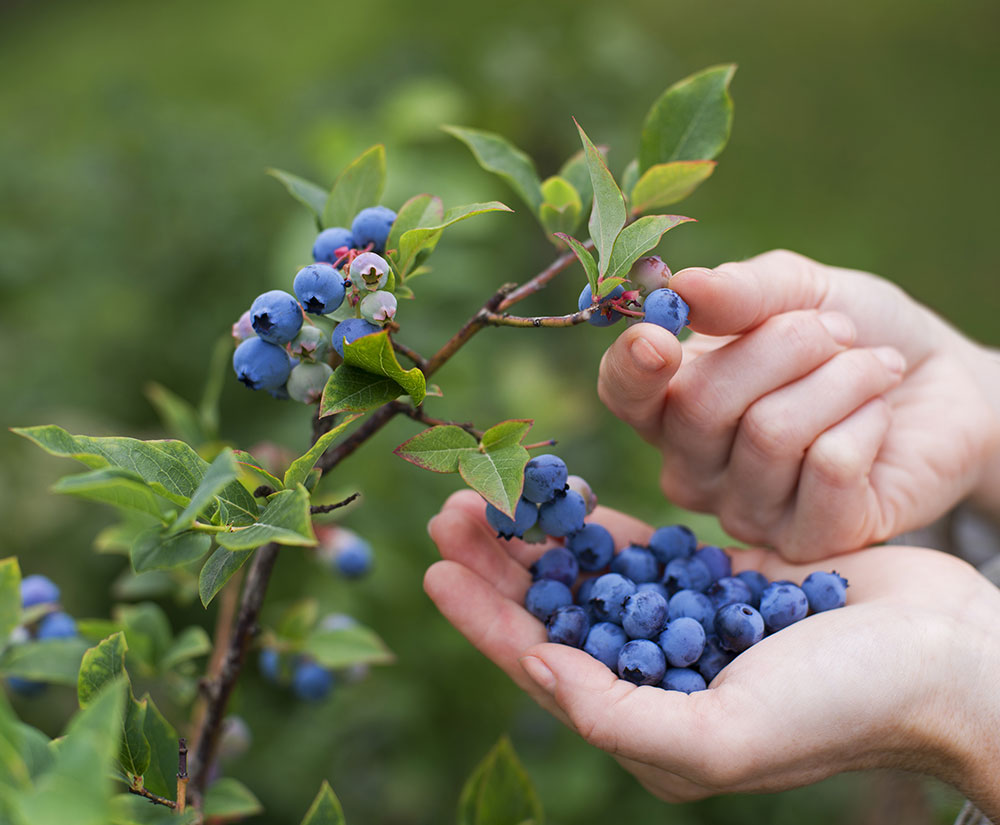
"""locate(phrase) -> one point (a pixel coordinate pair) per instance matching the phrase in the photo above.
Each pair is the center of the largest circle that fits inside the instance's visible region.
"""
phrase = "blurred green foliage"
(136, 224)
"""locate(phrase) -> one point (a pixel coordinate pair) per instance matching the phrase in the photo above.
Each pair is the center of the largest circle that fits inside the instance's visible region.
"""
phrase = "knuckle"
(836, 462)
(697, 405)
(800, 332)
(769, 432)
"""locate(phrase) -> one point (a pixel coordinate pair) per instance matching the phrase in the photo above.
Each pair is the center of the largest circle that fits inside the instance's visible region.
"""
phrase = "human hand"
(902, 676)
(818, 410)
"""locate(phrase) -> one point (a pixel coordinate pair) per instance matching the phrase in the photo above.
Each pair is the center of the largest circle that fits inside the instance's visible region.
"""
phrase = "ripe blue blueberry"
(559, 564)
(311, 681)
(682, 641)
(693, 605)
(350, 331)
(372, 226)
(641, 662)
(276, 316)
(329, 241)
(714, 659)
(563, 515)
(716, 560)
(783, 603)
(25, 687)
(756, 581)
(593, 547)
(319, 288)
(370, 271)
(644, 614)
(57, 625)
(825, 591)
(604, 642)
(666, 309)
(583, 592)
(269, 664)
(636, 563)
(738, 626)
(686, 574)
(568, 625)
(673, 542)
(38, 589)
(607, 598)
(604, 316)
(354, 558)
(307, 382)
(525, 516)
(378, 307)
(683, 679)
(544, 476)
(656, 587)
(545, 596)
(729, 590)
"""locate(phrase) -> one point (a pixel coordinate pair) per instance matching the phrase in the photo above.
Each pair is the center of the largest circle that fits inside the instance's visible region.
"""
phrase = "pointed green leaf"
(347, 646)
(236, 505)
(161, 775)
(155, 550)
(585, 258)
(576, 172)
(147, 631)
(608, 214)
(252, 469)
(310, 195)
(437, 448)
(352, 390)
(179, 418)
(499, 791)
(299, 469)
(360, 185)
(325, 809)
(629, 177)
(297, 620)
(228, 798)
(134, 754)
(14, 770)
(426, 237)
(498, 155)
(637, 239)
(667, 183)
(10, 597)
(219, 474)
(497, 476)
(506, 434)
(374, 354)
(607, 286)
(56, 661)
(115, 486)
(285, 520)
(190, 643)
(101, 665)
(219, 569)
(411, 215)
(690, 121)
(562, 207)
(219, 366)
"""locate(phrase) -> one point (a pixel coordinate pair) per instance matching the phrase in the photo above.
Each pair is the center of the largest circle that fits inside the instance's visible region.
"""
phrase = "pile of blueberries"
(648, 280)
(277, 351)
(666, 613)
(40, 591)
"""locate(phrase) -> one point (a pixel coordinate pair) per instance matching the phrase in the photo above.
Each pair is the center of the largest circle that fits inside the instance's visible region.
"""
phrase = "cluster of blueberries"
(40, 591)
(276, 351)
(666, 613)
(661, 306)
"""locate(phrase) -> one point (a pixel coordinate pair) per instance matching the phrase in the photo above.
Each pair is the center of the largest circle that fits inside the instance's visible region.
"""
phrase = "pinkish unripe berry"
(370, 271)
(243, 328)
(648, 274)
(378, 307)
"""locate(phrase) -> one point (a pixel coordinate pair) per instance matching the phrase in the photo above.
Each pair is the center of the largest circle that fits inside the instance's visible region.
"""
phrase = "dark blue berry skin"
(686, 574)
(25, 687)
(329, 241)
(583, 591)
(558, 564)
(694, 605)
(756, 581)
(593, 547)
(607, 598)
(604, 642)
(525, 516)
(714, 659)
(644, 614)
(738, 627)
(682, 642)
(319, 288)
(352, 329)
(641, 662)
(372, 226)
(568, 626)
(683, 679)
(716, 560)
(37, 589)
(260, 365)
(544, 476)
(656, 587)
(311, 681)
(57, 625)
(666, 309)
(276, 316)
(825, 591)
(355, 560)
(269, 663)
(673, 542)
(545, 596)
(781, 604)
(728, 590)
(563, 515)
(636, 563)
(605, 316)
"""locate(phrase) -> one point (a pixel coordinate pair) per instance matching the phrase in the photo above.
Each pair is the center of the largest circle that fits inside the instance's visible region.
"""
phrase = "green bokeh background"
(136, 224)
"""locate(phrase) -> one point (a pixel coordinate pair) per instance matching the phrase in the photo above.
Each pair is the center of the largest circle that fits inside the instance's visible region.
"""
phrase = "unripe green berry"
(378, 307)
(307, 381)
(311, 344)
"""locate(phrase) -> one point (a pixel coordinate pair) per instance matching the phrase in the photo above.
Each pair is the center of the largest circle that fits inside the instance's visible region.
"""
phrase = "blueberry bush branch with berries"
(195, 513)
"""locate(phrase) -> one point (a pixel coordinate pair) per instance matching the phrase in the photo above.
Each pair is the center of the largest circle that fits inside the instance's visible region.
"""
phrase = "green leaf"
(586, 259)
(360, 185)
(353, 390)
(147, 631)
(93, 630)
(56, 661)
(497, 475)
(498, 155)
(285, 520)
(325, 809)
(179, 417)
(236, 505)
(219, 366)
(190, 643)
(347, 646)
(411, 215)
(630, 176)
(230, 799)
(667, 183)
(374, 354)
(608, 215)
(219, 569)
(562, 207)
(690, 121)
(155, 550)
(129, 809)
(252, 468)
(437, 448)
(161, 775)
(637, 239)
(607, 286)
(309, 194)
(299, 469)
(135, 753)
(298, 620)
(499, 791)
(10, 597)
(113, 485)
(426, 237)
(506, 434)
(576, 172)
(101, 665)
(219, 474)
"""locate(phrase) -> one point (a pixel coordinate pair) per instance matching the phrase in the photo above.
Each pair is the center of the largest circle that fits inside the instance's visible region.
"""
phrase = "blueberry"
(683, 679)
(674, 542)
(525, 516)
(354, 558)
(636, 563)
(558, 564)
(350, 331)
(25, 687)
(604, 642)
(329, 241)
(544, 476)
(644, 614)
(825, 591)
(738, 626)
(693, 605)
(260, 365)
(372, 226)
(714, 659)
(563, 515)
(583, 488)
(641, 662)
(593, 547)
(243, 328)
(655, 587)
(716, 560)
(276, 316)
(781, 604)
(337, 621)
(57, 625)
(607, 598)
(605, 316)
(756, 581)
(648, 274)
(729, 590)
(269, 663)
(310, 344)
(686, 574)
(38, 589)
(568, 625)
(583, 592)
(319, 288)
(545, 596)
(370, 271)
(307, 382)
(378, 307)
(666, 309)
(311, 681)
(682, 641)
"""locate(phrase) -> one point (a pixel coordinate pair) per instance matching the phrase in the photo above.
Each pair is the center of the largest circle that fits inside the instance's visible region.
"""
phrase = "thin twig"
(468, 329)
(541, 279)
(152, 797)
(418, 414)
(182, 774)
(316, 509)
(410, 353)
(539, 444)
(502, 319)
(375, 422)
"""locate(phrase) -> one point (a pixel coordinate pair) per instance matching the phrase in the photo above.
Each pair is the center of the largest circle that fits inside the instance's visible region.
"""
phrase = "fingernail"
(839, 326)
(539, 672)
(645, 356)
(892, 358)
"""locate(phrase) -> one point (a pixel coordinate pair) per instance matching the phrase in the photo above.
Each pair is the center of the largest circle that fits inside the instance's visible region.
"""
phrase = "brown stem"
(316, 509)
(541, 279)
(410, 353)
(468, 329)
(375, 422)
(418, 414)
(539, 444)
(182, 774)
(502, 319)
(152, 797)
